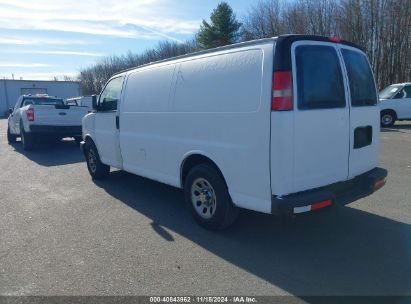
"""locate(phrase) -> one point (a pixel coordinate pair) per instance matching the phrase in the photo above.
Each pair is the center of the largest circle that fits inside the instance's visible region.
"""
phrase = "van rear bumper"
(341, 193)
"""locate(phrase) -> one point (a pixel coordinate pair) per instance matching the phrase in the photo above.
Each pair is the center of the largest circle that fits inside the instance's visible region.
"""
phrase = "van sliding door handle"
(117, 122)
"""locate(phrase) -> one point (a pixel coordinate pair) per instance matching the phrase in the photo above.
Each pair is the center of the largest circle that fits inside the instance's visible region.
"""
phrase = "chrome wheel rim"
(203, 198)
(386, 119)
(92, 161)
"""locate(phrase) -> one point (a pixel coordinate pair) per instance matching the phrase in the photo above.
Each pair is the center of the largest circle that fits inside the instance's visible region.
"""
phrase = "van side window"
(111, 95)
(319, 78)
(360, 78)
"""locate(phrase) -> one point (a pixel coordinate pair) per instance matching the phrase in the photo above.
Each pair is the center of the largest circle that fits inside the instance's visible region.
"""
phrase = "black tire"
(27, 139)
(10, 137)
(387, 118)
(95, 167)
(212, 207)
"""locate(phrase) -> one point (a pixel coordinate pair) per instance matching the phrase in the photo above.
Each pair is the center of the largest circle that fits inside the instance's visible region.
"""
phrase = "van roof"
(282, 58)
(283, 49)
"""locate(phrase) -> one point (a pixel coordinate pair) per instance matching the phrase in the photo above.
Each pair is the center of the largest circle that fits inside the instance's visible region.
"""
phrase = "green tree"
(223, 29)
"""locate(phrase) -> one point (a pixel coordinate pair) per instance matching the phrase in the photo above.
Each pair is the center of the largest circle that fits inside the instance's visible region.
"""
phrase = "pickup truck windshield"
(390, 91)
(42, 101)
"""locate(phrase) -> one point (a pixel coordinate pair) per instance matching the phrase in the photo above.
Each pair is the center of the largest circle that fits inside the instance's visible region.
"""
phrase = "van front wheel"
(208, 199)
(95, 167)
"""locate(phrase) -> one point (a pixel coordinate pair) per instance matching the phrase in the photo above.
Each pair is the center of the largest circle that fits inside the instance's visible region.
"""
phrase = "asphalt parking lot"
(63, 234)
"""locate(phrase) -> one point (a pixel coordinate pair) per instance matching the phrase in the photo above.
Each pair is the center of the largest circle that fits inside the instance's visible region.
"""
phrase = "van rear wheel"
(207, 198)
(95, 167)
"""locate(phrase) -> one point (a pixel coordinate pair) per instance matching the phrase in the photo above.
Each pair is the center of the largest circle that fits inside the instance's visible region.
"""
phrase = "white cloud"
(74, 53)
(46, 52)
(41, 75)
(23, 65)
(103, 17)
(25, 40)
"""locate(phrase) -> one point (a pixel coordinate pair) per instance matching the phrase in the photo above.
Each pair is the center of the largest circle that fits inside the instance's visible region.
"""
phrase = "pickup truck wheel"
(207, 198)
(387, 118)
(95, 167)
(27, 139)
(10, 137)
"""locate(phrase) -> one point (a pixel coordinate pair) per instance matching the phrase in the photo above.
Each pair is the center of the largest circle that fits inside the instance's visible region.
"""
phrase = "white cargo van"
(282, 125)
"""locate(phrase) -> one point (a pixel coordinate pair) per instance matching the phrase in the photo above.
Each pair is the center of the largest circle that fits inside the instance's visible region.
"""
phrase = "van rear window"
(319, 78)
(362, 87)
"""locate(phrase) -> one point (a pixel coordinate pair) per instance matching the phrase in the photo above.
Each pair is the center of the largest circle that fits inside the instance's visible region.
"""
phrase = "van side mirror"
(10, 111)
(94, 102)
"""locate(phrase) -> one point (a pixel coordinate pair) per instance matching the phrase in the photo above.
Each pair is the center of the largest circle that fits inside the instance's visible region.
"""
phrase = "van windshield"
(390, 91)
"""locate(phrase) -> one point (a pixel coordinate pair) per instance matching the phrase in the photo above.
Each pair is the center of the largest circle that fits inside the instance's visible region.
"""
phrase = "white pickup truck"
(36, 116)
(395, 103)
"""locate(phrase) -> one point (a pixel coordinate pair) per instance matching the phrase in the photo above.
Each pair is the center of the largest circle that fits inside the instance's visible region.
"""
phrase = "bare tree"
(381, 27)
(264, 20)
(94, 77)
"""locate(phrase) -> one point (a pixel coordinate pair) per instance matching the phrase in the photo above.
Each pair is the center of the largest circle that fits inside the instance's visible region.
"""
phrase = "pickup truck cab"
(283, 125)
(41, 115)
(395, 103)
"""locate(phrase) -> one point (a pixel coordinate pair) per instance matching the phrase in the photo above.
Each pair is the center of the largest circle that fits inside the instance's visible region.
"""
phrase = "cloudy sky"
(45, 38)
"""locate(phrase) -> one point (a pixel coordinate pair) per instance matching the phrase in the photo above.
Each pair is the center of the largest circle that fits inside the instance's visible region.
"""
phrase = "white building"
(10, 90)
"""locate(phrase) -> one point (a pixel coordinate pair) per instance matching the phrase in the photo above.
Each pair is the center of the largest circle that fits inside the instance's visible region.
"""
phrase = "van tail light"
(282, 99)
(319, 205)
(379, 183)
(30, 114)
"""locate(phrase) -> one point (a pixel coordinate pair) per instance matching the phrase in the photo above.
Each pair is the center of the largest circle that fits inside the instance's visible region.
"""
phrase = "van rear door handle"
(362, 137)
(117, 122)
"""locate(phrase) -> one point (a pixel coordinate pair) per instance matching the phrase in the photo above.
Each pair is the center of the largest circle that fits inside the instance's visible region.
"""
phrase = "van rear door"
(321, 115)
(364, 112)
